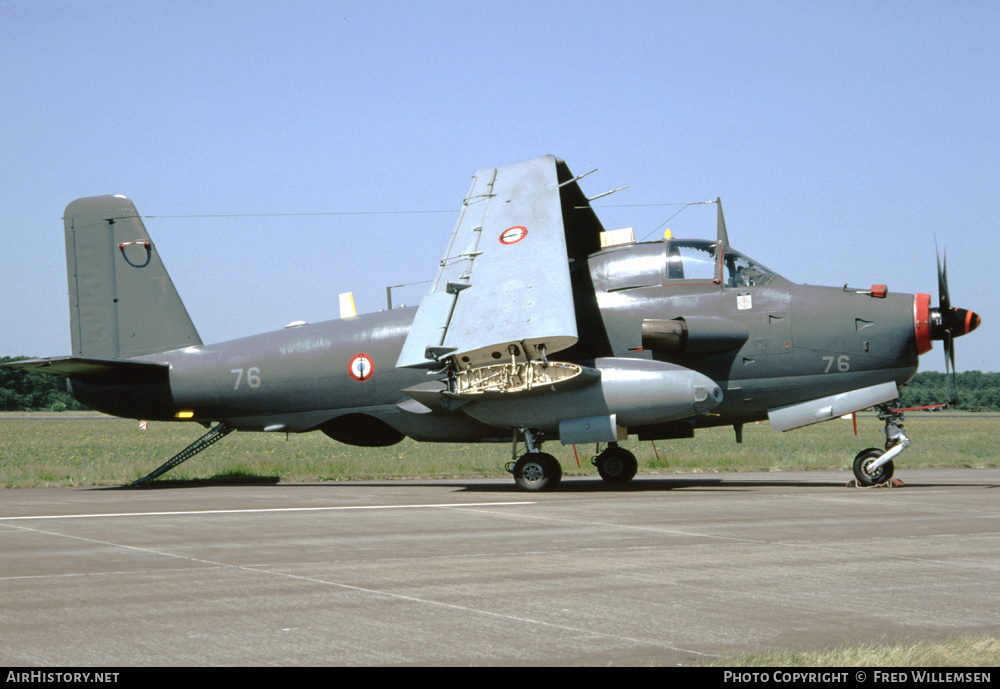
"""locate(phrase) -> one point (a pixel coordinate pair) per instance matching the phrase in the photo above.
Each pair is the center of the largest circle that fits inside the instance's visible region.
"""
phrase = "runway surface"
(668, 570)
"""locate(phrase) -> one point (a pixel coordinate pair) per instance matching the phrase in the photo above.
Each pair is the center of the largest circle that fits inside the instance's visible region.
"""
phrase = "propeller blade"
(944, 300)
(954, 374)
(949, 365)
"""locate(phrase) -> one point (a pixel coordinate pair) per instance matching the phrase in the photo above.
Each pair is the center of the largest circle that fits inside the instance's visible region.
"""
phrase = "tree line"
(977, 391)
(974, 390)
(27, 391)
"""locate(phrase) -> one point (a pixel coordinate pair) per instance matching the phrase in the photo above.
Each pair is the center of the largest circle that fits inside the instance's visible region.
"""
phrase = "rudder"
(122, 301)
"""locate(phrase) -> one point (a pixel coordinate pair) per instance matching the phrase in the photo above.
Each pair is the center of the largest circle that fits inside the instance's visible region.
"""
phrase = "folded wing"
(503, 288)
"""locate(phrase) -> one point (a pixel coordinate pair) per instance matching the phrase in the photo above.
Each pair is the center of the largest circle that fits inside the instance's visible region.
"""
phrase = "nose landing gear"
(873, 466)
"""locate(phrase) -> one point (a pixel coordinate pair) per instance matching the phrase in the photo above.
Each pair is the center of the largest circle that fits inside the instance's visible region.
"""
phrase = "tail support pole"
(214, 435)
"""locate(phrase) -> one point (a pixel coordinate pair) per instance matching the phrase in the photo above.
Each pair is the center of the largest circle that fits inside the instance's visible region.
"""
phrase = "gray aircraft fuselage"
(801, 342)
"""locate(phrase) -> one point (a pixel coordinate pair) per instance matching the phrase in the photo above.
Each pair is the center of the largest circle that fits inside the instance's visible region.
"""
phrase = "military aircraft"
(540, 325)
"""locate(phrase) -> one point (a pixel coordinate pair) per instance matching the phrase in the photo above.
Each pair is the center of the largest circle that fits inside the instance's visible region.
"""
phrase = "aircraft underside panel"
(830, 407)
(503, 288)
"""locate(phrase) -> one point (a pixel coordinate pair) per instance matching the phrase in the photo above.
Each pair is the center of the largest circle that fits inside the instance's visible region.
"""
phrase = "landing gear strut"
(535, 470)
(874, 466)
(616, 464)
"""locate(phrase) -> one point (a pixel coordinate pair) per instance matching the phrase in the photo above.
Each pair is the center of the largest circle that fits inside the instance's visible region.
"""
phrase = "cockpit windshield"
(740, 271)
(691, 261)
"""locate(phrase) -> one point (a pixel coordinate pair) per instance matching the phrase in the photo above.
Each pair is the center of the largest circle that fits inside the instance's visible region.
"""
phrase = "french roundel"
(361, 367)
(512, 235)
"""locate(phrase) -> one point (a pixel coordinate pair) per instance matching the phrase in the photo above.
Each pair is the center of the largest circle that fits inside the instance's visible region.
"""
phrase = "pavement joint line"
(908, 502)
(262, 510)
(756, 541)
(375, 592)
(675, 532)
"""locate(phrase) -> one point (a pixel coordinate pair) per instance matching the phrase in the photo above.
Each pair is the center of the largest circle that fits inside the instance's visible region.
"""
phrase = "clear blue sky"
(841, 136)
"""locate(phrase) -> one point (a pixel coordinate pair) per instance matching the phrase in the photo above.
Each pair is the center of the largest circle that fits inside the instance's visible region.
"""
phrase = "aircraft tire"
(617, 465)
(868, 478)
(537, 471)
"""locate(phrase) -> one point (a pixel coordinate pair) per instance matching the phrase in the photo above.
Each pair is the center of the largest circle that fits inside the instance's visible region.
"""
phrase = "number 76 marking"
(843, 363)
(253, 377)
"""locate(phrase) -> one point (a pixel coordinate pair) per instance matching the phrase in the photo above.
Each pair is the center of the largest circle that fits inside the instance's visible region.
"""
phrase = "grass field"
(88, 449)
(976, 651)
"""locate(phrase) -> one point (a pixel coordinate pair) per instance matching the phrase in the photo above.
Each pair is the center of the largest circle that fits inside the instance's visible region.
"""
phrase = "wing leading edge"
(503, 287)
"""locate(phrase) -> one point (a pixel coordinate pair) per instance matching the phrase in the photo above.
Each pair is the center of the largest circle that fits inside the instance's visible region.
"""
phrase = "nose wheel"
(866, 471)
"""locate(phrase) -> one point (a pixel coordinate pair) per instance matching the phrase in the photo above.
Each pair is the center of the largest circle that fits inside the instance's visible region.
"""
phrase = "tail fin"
(122, 301)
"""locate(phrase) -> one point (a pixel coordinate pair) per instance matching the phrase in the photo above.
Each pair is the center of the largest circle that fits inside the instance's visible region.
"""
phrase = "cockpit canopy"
(679, 261)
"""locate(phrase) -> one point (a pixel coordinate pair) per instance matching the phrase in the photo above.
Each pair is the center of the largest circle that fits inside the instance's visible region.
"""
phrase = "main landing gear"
(874, 466)
(535, 470)
(616, 464)
(539, 471)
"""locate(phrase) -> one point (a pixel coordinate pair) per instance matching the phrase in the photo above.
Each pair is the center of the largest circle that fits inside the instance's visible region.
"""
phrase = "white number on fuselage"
(253, 377)
(843, 363)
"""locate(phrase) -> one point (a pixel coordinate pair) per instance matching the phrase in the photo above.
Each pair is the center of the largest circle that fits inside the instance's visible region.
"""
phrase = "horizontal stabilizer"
(93, 369)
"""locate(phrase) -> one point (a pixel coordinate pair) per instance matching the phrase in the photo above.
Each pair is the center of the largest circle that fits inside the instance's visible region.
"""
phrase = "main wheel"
(537, 471)
(616, 465)
(865, 475)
